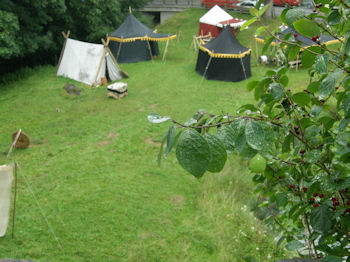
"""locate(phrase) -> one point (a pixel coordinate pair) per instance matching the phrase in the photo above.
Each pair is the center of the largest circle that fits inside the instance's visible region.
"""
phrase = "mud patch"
(153, 106)
(108, 139)
(152, 143)
(178, 200)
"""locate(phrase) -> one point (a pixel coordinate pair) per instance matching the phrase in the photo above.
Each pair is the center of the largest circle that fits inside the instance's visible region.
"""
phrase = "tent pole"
(120, 46)
(245, 75)
(114, 60)
(62, 51)
(206, 68)
(149, 48)
(166, 49)
(99, 66)
(14, 203)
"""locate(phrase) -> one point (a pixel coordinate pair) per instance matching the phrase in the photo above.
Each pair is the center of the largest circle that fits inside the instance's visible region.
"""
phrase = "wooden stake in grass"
(243, 67)
(165, 50)
(14, 203)
(62, 51)
(120, 46)
(14, 142)
(206, 68)
(149, 48)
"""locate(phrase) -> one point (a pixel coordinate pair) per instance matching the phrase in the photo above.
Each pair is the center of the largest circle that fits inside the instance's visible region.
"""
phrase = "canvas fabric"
(80, 61)
(214, 16)
(113, 71)
(6, 178)
(223, 69)
(132, 29)
(135, 51)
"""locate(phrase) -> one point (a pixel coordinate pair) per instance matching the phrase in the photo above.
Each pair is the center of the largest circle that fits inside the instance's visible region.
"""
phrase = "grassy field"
(92, 167)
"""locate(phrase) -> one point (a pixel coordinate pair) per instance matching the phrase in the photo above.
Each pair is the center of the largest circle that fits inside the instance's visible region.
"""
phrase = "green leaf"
(307, 27)
(253, 11)
(286, 143)
(159, 159)
(293, 15)
(260, 30)
(284, 80)
(315, 111)
(218, 155)
(347, 46)
(262, 10)
(313, 87)
(283, 15)
(193, 152)
(251, 85)
(332, 259)
(301, 98)
(346, 106)
(321, 63)
(268, 42)
(334, 18)
(313, 156)
(249, 22)
(343, 124)
(294, 245)
(170, 140)
(320, 219)
(292, 52)
(248, 108)
(281, 199)
(227, 136)
(254, 135)
(276, 91)
(308, 58)
(327, 85)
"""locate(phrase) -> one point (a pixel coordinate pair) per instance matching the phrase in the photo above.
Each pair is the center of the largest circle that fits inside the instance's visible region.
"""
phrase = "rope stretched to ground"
(42, 211)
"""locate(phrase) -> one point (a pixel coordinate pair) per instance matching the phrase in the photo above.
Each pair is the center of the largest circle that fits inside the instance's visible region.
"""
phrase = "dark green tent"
(133, 41)
(224, 58)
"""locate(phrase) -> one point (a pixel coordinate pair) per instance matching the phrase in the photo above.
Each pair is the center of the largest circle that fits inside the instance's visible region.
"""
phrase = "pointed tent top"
(215, 15)
(225, 45)
(132, 29)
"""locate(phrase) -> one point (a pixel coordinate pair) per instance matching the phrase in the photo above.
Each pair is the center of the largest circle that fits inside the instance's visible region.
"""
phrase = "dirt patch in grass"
(178, 200)
(151, 142)
(153, 106)
(108, 139)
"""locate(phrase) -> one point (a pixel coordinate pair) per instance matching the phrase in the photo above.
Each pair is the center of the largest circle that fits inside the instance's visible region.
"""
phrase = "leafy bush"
(299, 140)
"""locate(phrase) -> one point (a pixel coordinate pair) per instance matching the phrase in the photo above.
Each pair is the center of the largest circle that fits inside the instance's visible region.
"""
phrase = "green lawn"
(92, 166)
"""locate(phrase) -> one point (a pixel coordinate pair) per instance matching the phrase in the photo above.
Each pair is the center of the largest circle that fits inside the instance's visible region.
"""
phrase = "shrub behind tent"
(224, 59)
(88, 63)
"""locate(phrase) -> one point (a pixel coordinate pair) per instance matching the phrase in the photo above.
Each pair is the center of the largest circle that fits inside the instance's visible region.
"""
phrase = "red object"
(315, 205)
(222, 3)
(286, 2)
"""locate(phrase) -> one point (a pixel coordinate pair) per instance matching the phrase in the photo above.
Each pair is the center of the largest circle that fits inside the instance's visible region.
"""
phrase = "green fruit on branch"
(257, 164)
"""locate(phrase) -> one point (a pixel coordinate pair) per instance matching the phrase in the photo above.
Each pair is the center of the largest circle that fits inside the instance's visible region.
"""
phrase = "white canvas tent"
(6, 178)
(87, 62)
(214, 20)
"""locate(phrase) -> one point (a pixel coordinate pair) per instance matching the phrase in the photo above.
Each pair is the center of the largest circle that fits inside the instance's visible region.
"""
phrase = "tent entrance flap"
(6, 178)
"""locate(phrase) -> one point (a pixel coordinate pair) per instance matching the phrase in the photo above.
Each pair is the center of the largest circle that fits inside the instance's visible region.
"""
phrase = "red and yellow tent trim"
(142, 38)
(225, 55)
(260, 40)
